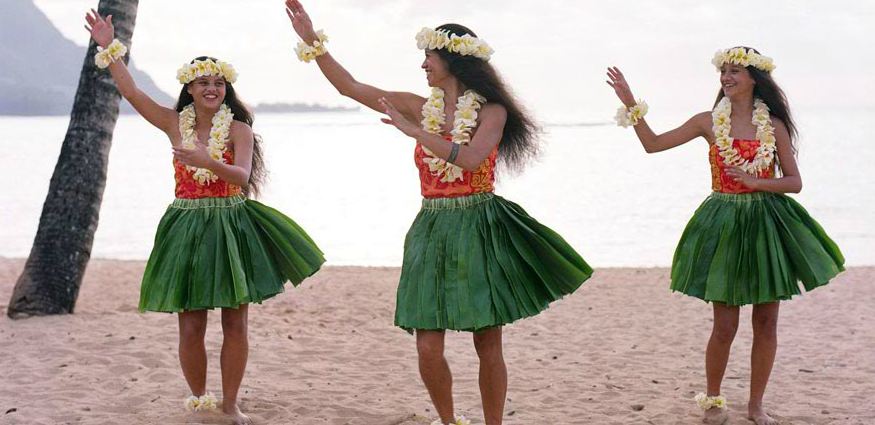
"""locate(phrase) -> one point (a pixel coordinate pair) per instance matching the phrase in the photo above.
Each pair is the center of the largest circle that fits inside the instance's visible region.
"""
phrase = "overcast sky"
(553, 53)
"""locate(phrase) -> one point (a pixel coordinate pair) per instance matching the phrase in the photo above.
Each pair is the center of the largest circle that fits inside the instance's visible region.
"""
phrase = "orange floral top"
(188, 188)
(479, 181)
(720, 182)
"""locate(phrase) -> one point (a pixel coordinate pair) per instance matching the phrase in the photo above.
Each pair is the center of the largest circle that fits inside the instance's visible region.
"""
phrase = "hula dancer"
(748, 243)
(473, 261)
(214, 248)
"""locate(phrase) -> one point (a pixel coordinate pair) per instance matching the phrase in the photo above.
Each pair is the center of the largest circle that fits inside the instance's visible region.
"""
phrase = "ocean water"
(349, 180)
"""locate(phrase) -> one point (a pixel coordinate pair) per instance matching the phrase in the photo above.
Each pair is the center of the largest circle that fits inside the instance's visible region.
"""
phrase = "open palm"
(100, 28)
(300, 21)
(617, 81)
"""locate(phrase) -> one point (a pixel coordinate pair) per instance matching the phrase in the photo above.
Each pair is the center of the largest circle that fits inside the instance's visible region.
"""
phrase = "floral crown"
(743, 57)
(466, 45)
(200, 68)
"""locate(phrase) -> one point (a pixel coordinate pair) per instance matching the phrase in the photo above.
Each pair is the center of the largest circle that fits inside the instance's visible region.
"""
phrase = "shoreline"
(326, 352)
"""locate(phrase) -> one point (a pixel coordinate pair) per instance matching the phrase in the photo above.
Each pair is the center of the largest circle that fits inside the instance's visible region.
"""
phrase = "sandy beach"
(622, 350)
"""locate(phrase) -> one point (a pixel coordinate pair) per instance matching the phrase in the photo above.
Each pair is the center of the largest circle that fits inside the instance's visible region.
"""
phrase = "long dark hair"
(768, 90)
(519, 141)
(241, 113)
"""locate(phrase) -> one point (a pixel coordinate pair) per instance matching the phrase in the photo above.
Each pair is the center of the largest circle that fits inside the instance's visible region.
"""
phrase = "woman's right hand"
(618, 82)
(100, 28)
(301, 21)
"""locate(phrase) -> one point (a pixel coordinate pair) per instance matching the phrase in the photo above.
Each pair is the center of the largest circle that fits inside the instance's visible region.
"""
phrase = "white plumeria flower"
(639, 110)
(706, 402)
(461, 420)
(102, 61)
(113, 52)
(192, 403)
(719, 59)
(208, 401)
(630, 116)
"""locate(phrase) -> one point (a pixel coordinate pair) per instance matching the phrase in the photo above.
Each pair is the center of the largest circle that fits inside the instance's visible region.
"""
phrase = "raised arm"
(407, 103)
(697, 126)
(102, 32)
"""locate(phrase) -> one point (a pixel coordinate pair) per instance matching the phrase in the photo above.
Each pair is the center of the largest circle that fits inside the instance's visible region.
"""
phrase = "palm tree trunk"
(61, 249)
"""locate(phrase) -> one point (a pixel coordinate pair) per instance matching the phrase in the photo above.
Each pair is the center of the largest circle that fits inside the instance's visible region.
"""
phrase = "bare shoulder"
(240, 132)
(778, 124)
(494, 111)
(702, 119)
(240, 128)
(702, 123)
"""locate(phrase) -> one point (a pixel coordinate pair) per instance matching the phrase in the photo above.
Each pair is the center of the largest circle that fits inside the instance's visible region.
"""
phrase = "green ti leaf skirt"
(480, 261)
(223, 252)
(752, 248)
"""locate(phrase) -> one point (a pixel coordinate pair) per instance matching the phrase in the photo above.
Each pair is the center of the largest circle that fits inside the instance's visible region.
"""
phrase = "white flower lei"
(199, 68)
(720, 118)
(743, 57)
(465, 119)
(205, 402)
(631, 115)
(706, 402)
(113, 52)
(306, 52)
(458, 420)
(217, 145)
(429, 39)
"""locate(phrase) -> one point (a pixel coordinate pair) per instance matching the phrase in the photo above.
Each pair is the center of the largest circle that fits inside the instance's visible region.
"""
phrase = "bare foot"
(715, 416)
(759, 417)
(237, 417)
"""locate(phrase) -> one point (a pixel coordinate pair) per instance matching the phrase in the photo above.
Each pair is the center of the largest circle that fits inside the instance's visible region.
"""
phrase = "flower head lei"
(743, 57)
(201, 68)
(465, 45)
(464, 120)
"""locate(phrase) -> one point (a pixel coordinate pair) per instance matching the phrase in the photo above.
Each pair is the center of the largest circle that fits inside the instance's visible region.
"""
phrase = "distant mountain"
(40, 67)
(300, 107)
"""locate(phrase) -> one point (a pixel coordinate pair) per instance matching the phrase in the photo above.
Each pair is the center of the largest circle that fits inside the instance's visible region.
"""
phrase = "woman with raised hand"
(214, 247)
(748, 243)
(473, 261)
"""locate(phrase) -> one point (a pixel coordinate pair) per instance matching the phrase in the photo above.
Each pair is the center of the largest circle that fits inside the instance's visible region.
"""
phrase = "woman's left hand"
(195, 157)
(399, 120)
(738, 175)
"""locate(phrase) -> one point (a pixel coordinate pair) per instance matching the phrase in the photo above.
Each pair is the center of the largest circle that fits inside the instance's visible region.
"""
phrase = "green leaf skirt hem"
(752, 248)
(223, 252)
(480, 261)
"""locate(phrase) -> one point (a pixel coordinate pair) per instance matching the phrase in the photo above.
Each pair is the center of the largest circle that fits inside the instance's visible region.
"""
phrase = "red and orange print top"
(478, 181)
(188, 188)
(720, 181)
